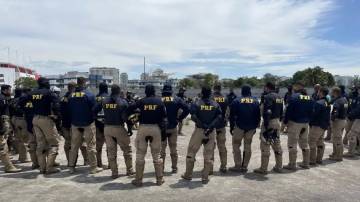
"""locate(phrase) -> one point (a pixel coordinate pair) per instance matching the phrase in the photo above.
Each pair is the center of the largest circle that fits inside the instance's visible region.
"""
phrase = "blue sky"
(231, 38)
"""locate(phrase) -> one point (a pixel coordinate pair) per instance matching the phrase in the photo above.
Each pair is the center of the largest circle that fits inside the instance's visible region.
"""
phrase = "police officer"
(152, 126)
(66, 123)
(19, 126)
(220, 127)
(206, 114)
(28, 110)
(338, 123)
(173, 106)
(297, 118)
(181, 95)
(115, 115)
(81, 105)
(320, 121)
(46, 109)
(352, 104)
(270, 129)
(5, 129)
(244, 119)
(354, 133)
(231, 96)
(315, 96)
(99, 123)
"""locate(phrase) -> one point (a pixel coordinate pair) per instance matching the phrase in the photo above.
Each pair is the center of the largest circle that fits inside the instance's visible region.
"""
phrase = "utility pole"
(8, 52)
(144, 70)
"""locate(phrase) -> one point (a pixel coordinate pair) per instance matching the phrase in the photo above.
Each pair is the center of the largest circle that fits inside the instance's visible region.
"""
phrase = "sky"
(231, 38)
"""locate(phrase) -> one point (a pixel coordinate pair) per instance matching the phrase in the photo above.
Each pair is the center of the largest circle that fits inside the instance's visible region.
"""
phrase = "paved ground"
(330, 182)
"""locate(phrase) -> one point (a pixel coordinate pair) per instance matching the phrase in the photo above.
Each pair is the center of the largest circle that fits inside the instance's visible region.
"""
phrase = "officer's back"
(321, 112)
(273, 103)
(114, 110)
(300, 106)
(44, 101)
(223, 103)
(172, 105)
(340, 107)
(245, 111)
(81, 104)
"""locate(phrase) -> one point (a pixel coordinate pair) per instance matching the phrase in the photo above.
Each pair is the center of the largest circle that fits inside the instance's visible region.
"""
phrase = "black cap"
(246, 90)
(206, 92)
(167, 88)
(43, 83)
(103, 87)
(149, 90)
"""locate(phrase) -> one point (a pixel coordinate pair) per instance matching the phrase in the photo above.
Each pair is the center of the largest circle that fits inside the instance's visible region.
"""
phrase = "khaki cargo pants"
(78, 134)
(32, 144)
(148, 134)
(354, 135)
(348, 126)
(66, 133)
(337, 129)
(114, 136)
(298, 133)
(5, 129)
(22, 137)
(316, 144)
(100, 141)
(276, 147)
(220, 138)
(238, 136)
(47, 139)
(197, 139)
(171, 140)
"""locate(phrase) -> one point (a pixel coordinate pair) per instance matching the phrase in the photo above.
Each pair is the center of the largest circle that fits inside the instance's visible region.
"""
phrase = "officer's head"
(323, 92)
(103, 87)
(167, 90)
(81, 82)
(342, 88)
(206, 92)
(246, 91)
(18, 92)
(217, 88)
(6, 90)
(71, 86)
(115, 90)
(269, 87)
(298, 87)
(336, 92)
(43, 83)
(26, 90)
(289, 88)
(149, 90)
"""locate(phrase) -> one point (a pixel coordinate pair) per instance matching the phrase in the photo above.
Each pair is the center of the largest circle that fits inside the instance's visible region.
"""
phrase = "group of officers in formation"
(39, 116)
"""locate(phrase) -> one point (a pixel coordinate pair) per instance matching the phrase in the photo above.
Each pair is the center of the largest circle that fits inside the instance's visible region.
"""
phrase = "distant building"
(109, 75)
(62, 81)
(343, 80)
(157, 78)
(9, 73)
(124, 78)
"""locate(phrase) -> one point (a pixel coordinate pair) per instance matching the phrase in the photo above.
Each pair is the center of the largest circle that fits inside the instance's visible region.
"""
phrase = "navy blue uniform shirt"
(81, 106)
(173, 104)
(299, 109)
(223, 103)
(321, 114)
(206, 113)
(245, 113)
(152, 110)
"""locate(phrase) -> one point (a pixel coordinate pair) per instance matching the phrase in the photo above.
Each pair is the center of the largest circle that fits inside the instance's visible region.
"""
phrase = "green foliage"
(27, 82)
(187, 83)
(312, 76)
(356, 81)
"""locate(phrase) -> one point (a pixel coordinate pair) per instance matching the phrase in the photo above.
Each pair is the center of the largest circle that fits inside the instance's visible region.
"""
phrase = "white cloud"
(120, 33)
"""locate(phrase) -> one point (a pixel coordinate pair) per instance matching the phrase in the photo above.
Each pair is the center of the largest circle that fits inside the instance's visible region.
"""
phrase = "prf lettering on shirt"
(219, 99)
(279, 100)
(29, 105)
(37, 97)
(78, 94)
(206, 108)
(99, 98)
(150, 107)
(305, 97)
(247, 100)
(167, 99)
(110, 106)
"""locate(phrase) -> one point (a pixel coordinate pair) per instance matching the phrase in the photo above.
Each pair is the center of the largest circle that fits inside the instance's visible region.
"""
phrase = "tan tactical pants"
(22, 137)
(114, 136)
(348, 126)
(354, 134)
(47, 138)
(316, 143)
(172, 141)
(220, 138)
(148, 134)
(32, 148)
(78, 134)
(298, 134)
(197, 139)
(276, 147)
(238, 136)
(338, 127)
(100, 141)
(66, 133)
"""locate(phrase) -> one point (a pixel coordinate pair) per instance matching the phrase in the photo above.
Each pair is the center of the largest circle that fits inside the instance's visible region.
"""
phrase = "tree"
(187, 83)
(312, 76)
(25, 82)
(271, 78)
(356, 80)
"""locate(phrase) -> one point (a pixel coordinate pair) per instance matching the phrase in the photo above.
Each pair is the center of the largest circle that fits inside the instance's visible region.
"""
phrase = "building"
(157, 78)
(9, 73)
(62, 81)
(124, 78)
(109, 75)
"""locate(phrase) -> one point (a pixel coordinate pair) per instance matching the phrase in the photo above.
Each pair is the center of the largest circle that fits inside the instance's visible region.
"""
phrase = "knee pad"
(205, 141)
(291, 148)
(81, 130)
(278, 153)
(190, 158)
(302, 131)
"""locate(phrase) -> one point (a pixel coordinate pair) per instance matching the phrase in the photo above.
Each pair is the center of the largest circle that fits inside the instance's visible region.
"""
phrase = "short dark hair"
(115, 89)
(336, 90)
(206, 91)
(270, 85)
(5, 87)
(71, 85)
(81, 81)
(217, 86)
(324, 91)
